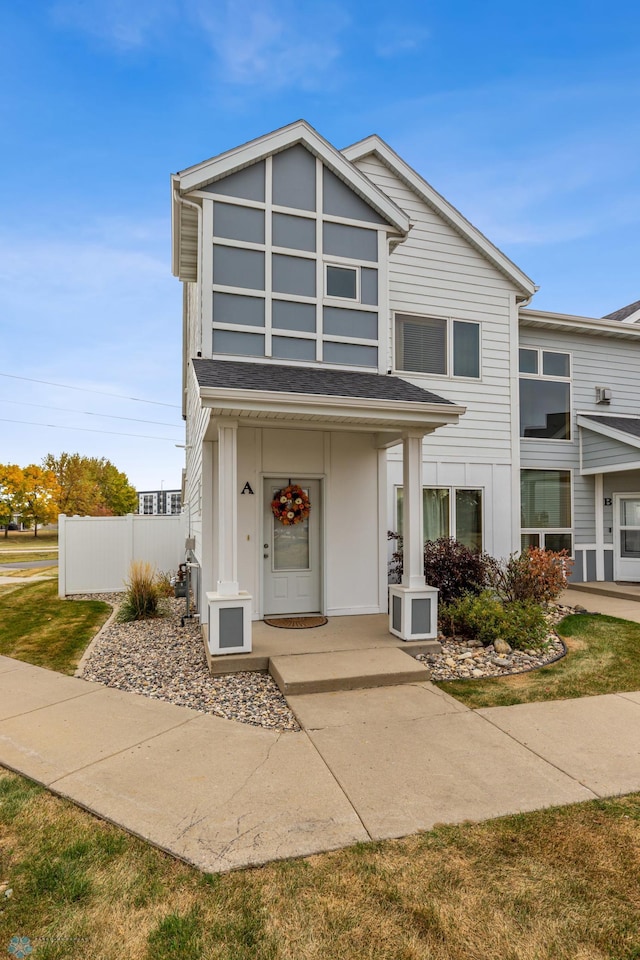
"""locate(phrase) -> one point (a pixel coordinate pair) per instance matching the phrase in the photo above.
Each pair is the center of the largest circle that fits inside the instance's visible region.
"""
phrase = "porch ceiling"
(324, 399)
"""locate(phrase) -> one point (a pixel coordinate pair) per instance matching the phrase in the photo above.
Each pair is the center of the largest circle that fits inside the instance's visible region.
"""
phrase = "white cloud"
(273, 44)
(394, 38)
(118, 23)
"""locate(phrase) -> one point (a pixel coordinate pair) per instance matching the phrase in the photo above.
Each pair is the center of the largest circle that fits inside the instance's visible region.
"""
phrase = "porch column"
(229, 619)
(598, 493)
(227, 509)
(412, 526)
(413, 606)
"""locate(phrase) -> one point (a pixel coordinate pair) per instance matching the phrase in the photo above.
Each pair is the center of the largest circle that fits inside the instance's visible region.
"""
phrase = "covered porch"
(329, 431)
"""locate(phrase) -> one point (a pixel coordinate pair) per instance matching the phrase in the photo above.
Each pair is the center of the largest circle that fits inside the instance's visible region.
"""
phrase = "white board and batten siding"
(95, 553)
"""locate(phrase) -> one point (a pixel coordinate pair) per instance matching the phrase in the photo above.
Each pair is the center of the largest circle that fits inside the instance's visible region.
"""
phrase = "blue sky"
(524, 116)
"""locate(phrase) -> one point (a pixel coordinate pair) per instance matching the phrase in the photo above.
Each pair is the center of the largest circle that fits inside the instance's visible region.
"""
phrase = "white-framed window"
(449, 512)
(439, 346)
(545, 394)
(545, 508)
(341, 282)
(173, 503)
(147, 503)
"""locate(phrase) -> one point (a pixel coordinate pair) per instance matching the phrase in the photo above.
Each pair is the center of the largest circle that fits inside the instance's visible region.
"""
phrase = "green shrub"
(485, 617)
(142, 596)
(535, 575)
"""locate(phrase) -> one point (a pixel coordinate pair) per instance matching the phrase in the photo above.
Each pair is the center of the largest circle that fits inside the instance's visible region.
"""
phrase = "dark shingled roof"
(318, 380)
(630, 425)
(623, 312)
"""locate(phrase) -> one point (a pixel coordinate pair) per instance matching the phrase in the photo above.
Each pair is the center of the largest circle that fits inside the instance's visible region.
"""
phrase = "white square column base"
(413, 612)
(229, 623)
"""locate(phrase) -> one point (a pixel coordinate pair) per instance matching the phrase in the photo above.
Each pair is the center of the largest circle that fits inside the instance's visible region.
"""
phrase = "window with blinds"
(435, 345)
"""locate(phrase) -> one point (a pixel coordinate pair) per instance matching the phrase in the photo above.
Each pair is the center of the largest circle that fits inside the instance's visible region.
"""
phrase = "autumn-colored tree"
(91, 486)
(11, 478)
(37, 496)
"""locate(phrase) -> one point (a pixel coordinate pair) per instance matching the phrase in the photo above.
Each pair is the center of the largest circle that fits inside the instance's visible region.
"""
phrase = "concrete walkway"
(369, 764)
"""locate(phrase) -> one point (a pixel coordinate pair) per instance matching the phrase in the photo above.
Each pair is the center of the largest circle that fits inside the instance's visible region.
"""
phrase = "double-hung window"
(545, 394)
(545, 498)
(438, 346)
(449, 512)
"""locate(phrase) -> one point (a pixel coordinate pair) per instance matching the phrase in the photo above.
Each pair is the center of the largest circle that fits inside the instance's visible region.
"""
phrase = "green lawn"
(25, 540)
(603, 657)
(560, 883)
(40, 628)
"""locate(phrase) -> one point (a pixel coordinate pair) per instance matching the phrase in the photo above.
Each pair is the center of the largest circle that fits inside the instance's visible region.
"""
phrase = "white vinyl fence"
(95, 552)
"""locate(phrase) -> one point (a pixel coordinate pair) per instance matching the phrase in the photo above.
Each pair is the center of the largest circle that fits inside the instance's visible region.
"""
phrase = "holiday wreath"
(291, 505)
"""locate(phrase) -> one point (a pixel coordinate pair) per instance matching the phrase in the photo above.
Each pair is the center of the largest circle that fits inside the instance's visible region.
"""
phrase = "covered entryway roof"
(316, 396)
(609, 444)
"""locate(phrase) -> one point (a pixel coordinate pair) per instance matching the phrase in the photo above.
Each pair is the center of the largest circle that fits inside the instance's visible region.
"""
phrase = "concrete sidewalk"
(369, 764)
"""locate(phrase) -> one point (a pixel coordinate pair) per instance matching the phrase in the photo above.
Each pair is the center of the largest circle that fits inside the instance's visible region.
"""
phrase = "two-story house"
(352, 343)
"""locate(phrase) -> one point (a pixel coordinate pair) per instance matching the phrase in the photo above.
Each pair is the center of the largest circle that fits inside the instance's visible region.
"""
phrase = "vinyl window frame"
(547, 378)
(449, 322)
(542, 532)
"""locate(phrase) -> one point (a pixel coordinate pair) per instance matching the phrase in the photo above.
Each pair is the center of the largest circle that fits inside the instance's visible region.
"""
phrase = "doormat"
(296, 623)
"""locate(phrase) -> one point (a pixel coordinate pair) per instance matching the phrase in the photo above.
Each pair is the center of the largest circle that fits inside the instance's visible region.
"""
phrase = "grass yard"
(26, 556)
(30, 572)
(559, 884)
(40, 628)
(24, 540)
(603, 657)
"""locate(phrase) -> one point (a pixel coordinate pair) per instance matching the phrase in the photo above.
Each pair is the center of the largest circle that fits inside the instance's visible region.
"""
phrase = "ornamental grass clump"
(142, 596)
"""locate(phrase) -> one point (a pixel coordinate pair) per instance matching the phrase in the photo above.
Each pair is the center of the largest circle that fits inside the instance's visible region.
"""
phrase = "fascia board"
(299, 132)
(567, 321)
(610, 432)
(175, 227)
(390, 158)
(632, 318)
(313, 404)
(613, 468)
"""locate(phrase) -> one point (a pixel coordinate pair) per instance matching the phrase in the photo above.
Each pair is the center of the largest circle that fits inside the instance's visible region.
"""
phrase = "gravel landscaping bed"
(160, 659)
(468, 660)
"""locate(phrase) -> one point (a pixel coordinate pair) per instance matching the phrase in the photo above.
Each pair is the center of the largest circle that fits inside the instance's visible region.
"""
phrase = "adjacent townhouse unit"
(358, 357)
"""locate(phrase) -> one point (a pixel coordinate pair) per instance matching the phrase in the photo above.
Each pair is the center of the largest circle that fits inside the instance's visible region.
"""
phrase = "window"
(173, 503)
(449, 511)
(545, 394)
(437, 346)
(147, 503)
(342, 282)
(545, 504)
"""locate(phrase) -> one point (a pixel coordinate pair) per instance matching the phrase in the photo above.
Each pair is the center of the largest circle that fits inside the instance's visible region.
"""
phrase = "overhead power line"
(60, 426)
(102, 393)
(88, 413)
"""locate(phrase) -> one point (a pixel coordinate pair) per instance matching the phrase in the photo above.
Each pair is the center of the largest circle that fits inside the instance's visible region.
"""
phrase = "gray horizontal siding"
(599, 451)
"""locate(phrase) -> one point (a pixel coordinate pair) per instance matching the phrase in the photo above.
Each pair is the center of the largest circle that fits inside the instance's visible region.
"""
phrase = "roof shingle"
(318, 381)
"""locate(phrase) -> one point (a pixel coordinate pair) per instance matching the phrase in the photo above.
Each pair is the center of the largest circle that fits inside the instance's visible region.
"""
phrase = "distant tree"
(11, 478)
(91, 486)
(37, 496)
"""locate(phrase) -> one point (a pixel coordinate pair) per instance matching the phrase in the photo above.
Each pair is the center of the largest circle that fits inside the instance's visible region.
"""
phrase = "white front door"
(292, 554)
(626, 507)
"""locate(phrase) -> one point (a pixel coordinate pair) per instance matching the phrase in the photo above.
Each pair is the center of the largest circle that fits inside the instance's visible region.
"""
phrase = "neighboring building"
(163, 502)
(347, 330)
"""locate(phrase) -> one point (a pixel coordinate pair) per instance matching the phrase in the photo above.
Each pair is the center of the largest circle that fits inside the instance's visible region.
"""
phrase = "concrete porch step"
(345, 670)
(622, 591)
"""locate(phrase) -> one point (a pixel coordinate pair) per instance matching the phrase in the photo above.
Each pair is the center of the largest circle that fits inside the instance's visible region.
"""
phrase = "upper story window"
(437, 346)
(545, 394)
(173, 503)
(342, 282)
